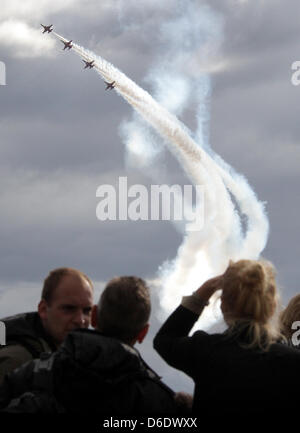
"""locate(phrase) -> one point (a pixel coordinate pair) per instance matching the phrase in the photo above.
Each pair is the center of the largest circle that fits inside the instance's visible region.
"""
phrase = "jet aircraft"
(89, 64)
(67, 45)
(110, 85)
(47, 28)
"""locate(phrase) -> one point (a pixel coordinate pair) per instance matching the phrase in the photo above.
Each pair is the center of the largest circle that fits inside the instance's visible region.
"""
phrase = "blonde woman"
(244, 370)
(290, 322)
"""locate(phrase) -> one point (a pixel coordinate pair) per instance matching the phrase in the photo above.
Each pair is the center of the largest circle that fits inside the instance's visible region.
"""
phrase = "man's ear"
(94, 318)
(142, 334)
(42, 309)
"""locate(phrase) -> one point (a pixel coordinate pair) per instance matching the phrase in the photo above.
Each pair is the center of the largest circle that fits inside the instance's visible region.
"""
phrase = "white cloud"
(20, 21)
(23, 40)
(34, 10)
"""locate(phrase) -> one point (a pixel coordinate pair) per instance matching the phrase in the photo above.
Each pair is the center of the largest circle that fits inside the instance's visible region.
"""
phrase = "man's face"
(70, 307)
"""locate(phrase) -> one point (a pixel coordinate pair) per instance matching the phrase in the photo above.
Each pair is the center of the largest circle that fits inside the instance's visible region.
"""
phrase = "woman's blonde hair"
(249, 300)
(289, 315)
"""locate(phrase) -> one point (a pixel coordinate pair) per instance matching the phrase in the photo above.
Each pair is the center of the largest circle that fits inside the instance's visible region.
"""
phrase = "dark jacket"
(229, 378)
(94, 374)
(26, 339)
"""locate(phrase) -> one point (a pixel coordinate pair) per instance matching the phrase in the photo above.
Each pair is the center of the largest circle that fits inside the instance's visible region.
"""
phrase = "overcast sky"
(61, 135)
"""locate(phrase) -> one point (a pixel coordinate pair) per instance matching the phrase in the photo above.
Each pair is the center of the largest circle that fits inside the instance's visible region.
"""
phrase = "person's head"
(289, 315)
(249, 296)
(123, 310)
(66, 302)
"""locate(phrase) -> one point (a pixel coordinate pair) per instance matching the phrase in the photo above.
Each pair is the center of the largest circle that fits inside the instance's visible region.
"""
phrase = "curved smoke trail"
(227, 195)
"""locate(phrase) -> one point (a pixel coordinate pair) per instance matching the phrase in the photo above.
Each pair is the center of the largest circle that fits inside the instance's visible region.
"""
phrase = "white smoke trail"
(207, 252)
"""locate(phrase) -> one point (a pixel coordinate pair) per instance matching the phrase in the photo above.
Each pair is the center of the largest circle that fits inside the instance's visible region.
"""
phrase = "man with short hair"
(97, 371)
(66, 304)
(123, 310)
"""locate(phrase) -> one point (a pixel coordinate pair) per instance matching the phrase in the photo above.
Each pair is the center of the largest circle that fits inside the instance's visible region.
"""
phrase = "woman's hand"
(210, 287)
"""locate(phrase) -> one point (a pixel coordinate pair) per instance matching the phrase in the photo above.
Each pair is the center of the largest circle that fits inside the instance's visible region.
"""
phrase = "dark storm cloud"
(57, 117)
(103, 252)
(60, 139)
